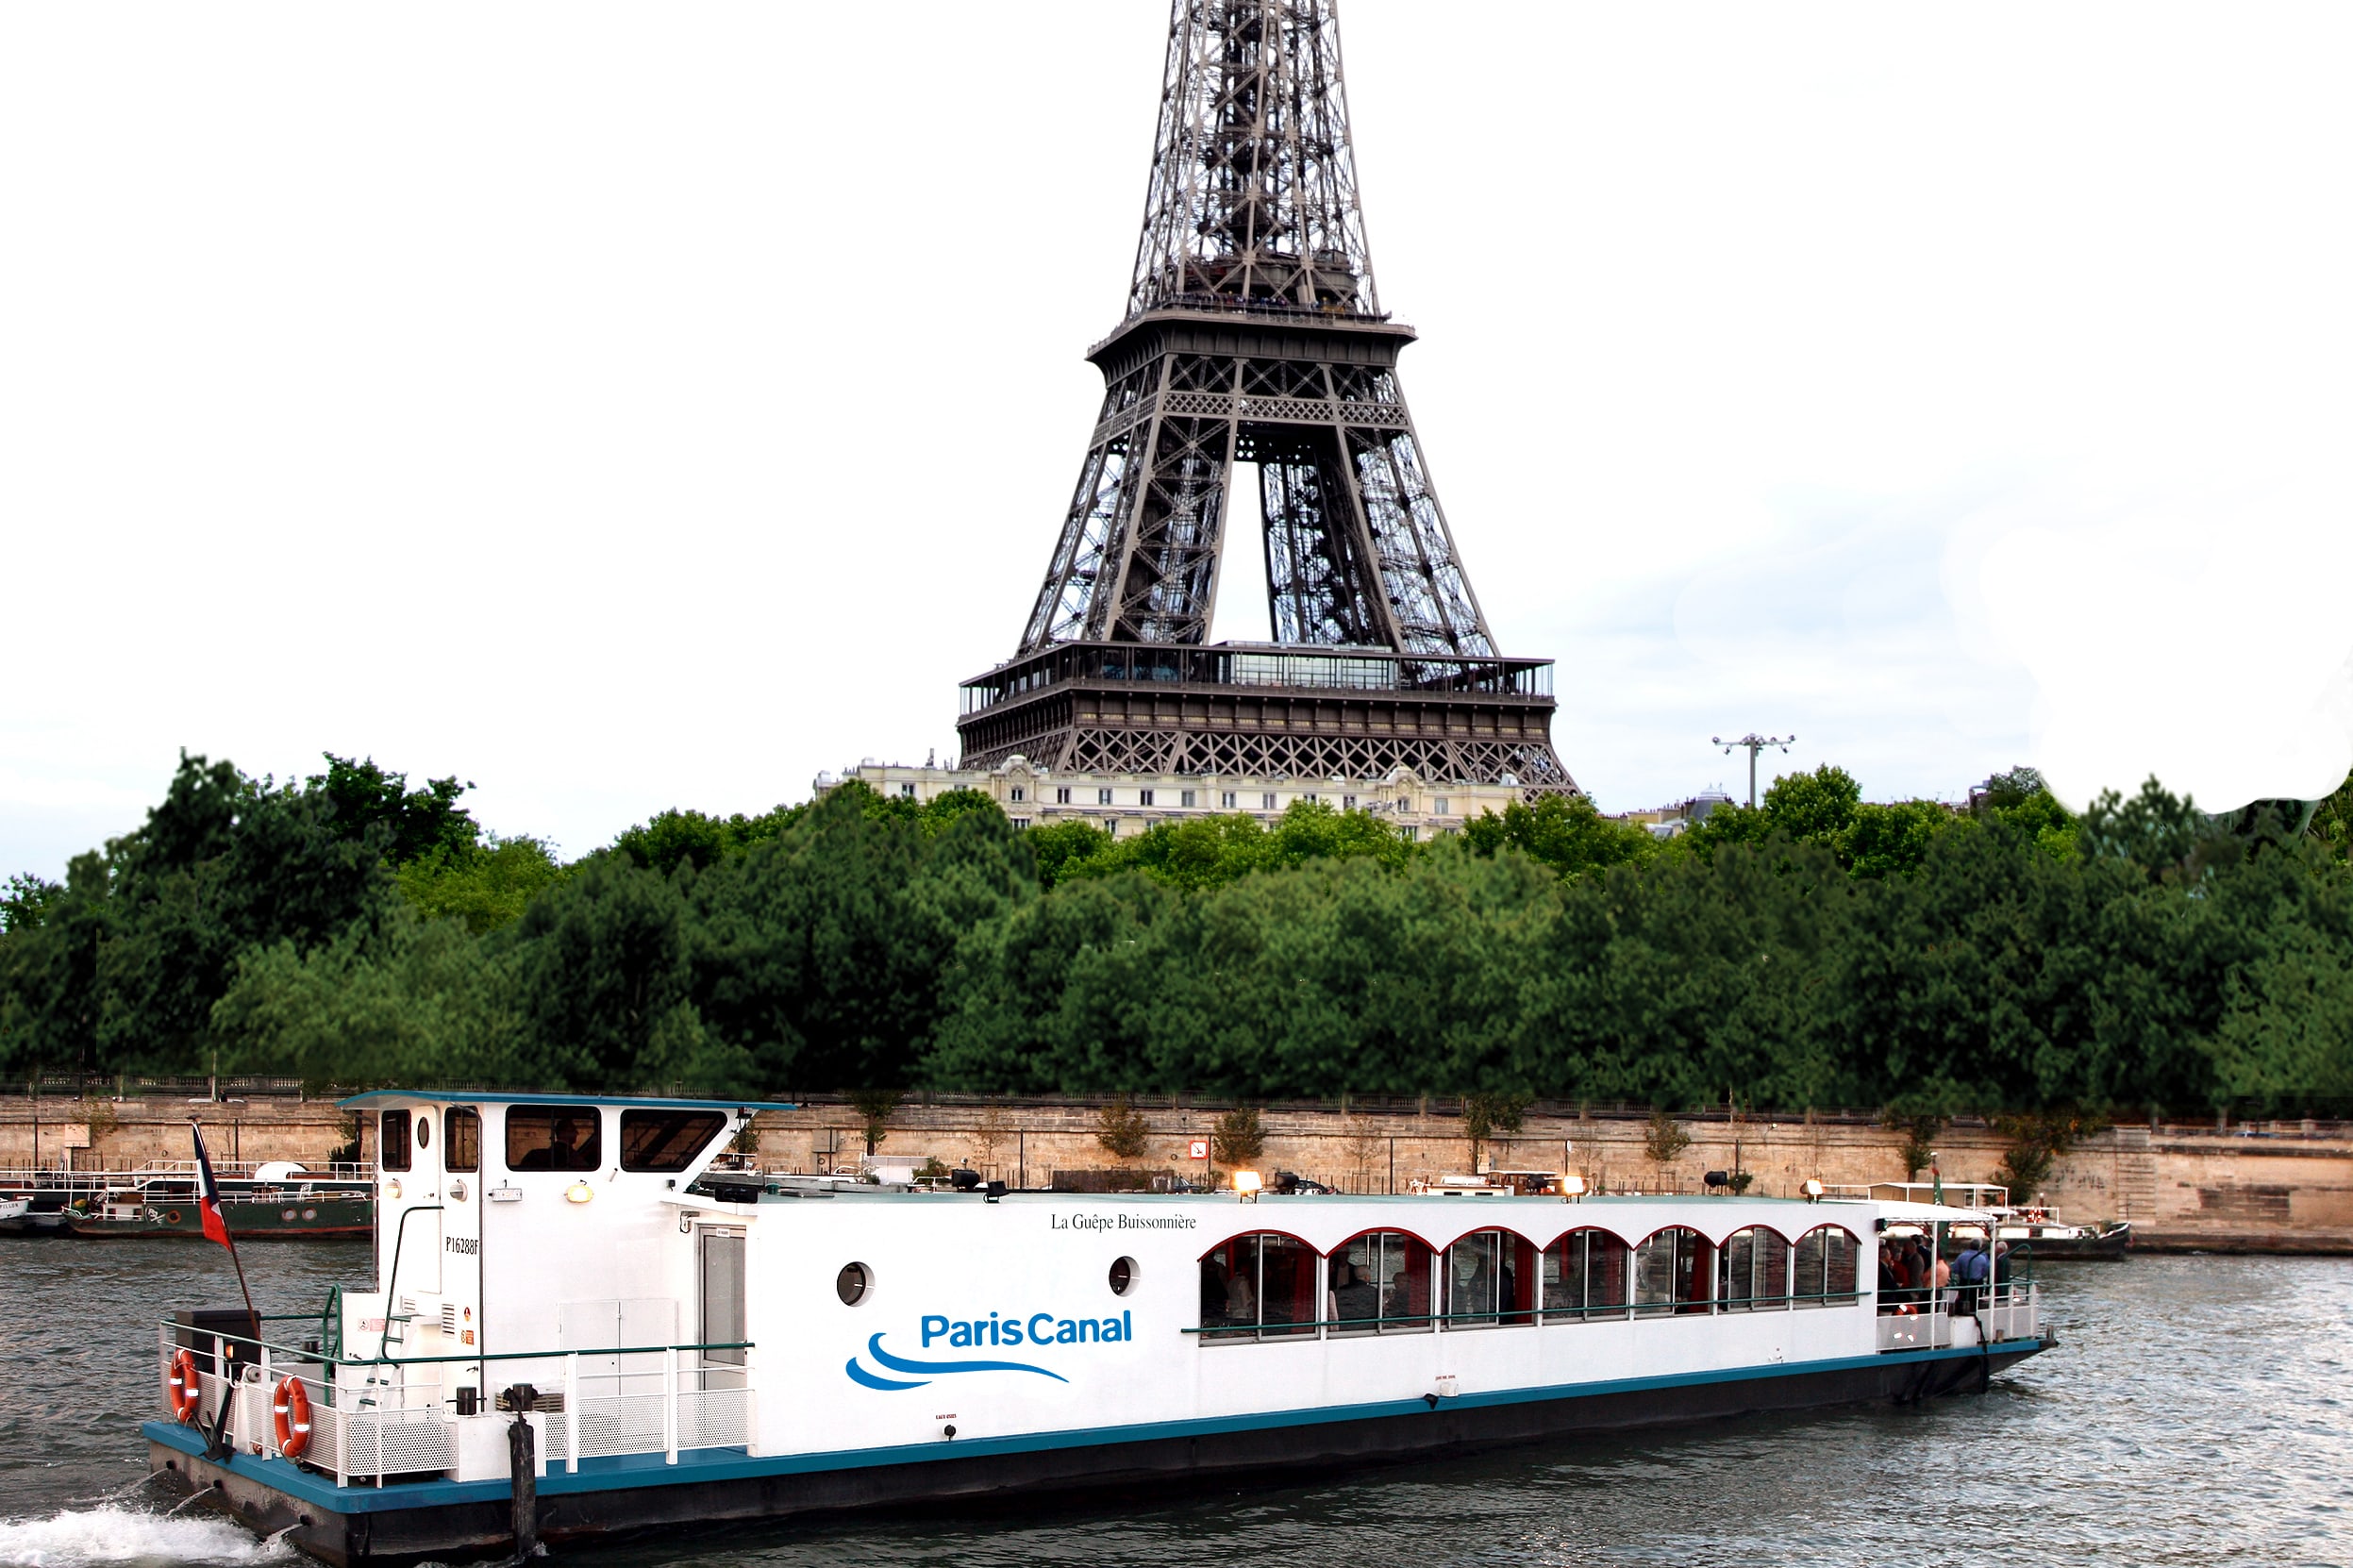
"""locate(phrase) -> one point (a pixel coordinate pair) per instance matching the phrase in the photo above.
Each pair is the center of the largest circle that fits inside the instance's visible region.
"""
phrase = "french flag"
(208, 1193)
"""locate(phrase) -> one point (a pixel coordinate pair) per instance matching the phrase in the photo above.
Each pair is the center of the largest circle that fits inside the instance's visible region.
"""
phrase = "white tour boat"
(573, 1328)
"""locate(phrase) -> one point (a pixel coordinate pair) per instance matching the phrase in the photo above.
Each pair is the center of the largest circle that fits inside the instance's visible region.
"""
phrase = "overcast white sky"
(628, 405)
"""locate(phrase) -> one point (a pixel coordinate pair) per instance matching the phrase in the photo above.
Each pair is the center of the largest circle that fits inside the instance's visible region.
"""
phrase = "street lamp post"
(1755, 743)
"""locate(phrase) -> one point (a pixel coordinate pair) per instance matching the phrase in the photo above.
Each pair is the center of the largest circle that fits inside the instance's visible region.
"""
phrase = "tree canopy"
(1822, 949)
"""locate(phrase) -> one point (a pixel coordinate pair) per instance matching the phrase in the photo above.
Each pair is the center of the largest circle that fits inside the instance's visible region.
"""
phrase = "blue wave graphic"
(900, 1363)
(860, 1375)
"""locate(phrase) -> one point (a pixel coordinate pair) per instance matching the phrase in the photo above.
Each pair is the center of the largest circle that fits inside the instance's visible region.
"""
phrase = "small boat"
(2031, 1224)
(14, 1208)
(576, 1326)
(279, 1202)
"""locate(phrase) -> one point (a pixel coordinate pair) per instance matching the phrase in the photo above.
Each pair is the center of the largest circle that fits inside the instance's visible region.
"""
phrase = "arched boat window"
(1380, 1285)
(391, 1149)
(1752, 1270)
(1489, 1279)
(1262, 1286)
(1826, 1267)
(461, 1139)
(1671, 1273)
(666, 1140)
(554, 1137)
(1585, 1275)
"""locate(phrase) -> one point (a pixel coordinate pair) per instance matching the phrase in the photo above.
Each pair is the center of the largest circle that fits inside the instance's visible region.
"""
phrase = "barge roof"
(505, 1096)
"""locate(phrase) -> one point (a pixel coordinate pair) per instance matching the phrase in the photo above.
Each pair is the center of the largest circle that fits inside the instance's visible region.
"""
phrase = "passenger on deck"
(1354, 1299)
(1212, 1291)
(2001, 1263)
(1241, 1299)
(1400, 1302)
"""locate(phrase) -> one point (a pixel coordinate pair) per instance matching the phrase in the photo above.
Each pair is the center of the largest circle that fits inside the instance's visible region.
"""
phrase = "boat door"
(722, 1319)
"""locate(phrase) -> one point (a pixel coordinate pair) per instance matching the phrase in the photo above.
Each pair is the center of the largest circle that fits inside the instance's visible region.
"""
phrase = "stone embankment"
(2267, 1187)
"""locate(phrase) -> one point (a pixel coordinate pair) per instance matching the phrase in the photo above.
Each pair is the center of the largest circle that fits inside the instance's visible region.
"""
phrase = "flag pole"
(211, 1197)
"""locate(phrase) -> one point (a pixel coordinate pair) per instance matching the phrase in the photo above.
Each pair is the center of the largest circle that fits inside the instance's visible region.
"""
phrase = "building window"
(1185, 799)
(1671, 1273)
(1380, 1284)
(907, 791)
(1021, 822)
(1404, 803)
(1144, 797)
(1826, 1268)
(1019, 794)
(1348, 802)
(1103, 797)
(554, 1137)
(1258, 1287)
(1228, 800)
(1584, 1277)
(1438, 807)
(1266, 801)
(1489, 1276)
(463, 1149)
(1412, 833)
(391, 1149)
(1309, 797)
(666, 1140)
(1752, 1270)
(1062, 795)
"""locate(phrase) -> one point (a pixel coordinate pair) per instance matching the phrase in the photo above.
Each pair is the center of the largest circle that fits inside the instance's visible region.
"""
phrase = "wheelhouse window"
(461, 1133)
(666, 1140)
(1585, 1277)
(555, 1138)
(1671, 1273)
(1826, 1267)
(391, 1149)
(1262, 1286)
(1752, 1273)
(1380, 1284)
(1489, 1275)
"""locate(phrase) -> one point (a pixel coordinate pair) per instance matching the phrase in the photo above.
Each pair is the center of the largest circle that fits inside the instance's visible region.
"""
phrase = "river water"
(2200, 1412)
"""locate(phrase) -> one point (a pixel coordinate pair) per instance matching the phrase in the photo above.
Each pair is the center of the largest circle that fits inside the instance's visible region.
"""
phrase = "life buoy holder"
(187, 1392)
(291, 1410)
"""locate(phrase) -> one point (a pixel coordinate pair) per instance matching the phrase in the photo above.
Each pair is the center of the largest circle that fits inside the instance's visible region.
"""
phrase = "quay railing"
(389, 1424)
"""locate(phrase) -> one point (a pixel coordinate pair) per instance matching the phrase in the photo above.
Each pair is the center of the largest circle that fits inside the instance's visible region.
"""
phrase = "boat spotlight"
(579, 1192)
(1813, 1189)
(1572, 1185)
(1246, 1185)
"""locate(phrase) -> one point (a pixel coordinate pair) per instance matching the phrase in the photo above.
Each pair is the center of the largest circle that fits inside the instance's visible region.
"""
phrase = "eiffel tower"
(1254, 334)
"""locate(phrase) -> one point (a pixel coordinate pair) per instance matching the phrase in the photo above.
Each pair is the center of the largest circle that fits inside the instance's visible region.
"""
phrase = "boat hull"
(403, 1524)
(291, 1218)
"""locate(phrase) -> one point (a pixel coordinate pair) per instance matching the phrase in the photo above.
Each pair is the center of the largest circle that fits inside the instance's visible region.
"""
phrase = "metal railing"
(1965, 1315)
(1508, 1317)
(390, 1424)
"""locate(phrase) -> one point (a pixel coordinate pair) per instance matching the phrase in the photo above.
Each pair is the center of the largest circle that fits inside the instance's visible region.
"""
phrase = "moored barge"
(572, 1333)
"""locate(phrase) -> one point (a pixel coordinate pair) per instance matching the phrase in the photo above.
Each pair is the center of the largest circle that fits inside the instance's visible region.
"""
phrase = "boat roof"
(503, 1096)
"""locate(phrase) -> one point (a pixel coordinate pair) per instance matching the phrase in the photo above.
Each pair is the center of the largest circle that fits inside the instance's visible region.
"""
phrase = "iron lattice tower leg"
(1254, 334)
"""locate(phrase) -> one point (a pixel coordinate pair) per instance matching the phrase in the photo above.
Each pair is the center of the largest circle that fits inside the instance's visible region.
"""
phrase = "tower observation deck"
(1254, 334)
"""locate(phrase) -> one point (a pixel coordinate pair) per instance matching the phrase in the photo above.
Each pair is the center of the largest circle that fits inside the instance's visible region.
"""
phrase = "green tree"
(1568, 834)
(1239, 1138)
(1122, 1130)
(1487, 1116)
(366, 803)
(486, 884)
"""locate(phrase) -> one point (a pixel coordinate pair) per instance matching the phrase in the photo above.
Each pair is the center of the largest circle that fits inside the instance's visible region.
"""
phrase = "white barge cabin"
(676, 1344)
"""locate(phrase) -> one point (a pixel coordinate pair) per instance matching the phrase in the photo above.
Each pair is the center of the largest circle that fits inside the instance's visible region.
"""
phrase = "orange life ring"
(187, 1391)
(291, 1412)
(170, 1216)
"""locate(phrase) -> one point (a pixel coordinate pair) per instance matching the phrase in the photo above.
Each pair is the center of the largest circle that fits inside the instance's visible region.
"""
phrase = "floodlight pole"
(1755, 743)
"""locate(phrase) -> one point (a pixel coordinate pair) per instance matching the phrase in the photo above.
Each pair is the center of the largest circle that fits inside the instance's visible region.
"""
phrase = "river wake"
(132, 1538)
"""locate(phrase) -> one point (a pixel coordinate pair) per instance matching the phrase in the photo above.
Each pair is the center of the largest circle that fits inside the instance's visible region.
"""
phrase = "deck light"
(391, 1189)
(579, 1192)
(1571, 1187)
(1813, 1189)
(1246, 1185)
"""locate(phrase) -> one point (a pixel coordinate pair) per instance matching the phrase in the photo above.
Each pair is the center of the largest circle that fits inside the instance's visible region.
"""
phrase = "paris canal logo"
(995, 1329)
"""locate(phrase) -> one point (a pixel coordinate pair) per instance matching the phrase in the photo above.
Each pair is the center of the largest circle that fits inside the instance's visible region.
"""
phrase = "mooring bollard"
(523, 1463)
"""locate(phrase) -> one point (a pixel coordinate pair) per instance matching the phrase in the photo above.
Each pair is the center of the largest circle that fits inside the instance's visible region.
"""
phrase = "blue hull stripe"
(726, 1464)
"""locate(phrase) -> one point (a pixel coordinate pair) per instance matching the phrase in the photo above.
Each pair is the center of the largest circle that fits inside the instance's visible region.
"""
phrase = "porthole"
(424, 1129)
(1124, 1271)
(852, 1284)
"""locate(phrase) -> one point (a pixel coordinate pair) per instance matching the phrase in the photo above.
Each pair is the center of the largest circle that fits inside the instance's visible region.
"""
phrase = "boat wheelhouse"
(679, 1348)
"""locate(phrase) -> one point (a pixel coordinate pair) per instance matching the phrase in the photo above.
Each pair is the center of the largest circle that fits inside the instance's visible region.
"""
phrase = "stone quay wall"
(2268, 1187)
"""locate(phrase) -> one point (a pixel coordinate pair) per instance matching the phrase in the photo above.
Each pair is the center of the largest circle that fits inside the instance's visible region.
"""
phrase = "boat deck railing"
(1963, 1315)
(397, 1419)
